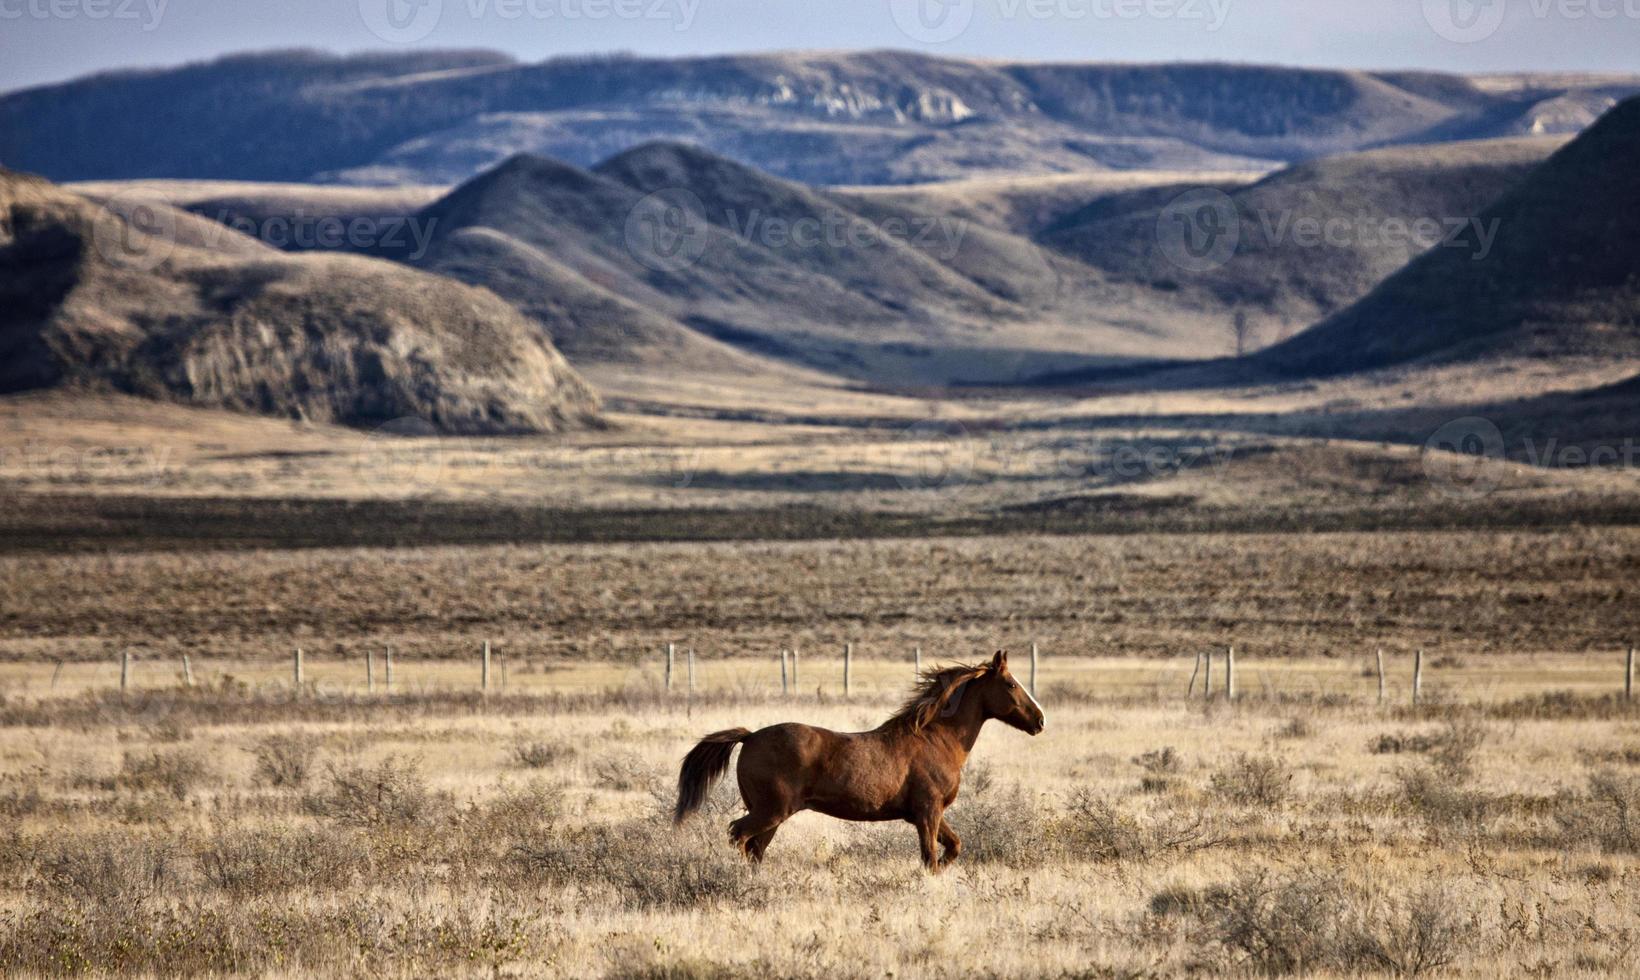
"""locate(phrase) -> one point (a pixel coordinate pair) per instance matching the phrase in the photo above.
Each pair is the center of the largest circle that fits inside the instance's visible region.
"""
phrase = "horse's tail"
(702, 767)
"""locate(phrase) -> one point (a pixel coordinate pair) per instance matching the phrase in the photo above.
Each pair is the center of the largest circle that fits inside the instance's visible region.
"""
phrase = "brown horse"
(907, 768)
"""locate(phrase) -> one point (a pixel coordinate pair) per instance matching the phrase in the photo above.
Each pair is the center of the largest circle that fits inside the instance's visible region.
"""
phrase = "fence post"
(1628, 676)
(296, 668)
(125, 670)
(691, 671)
(1417, 676)
(848, 664)
(785, 682)
(1207, 675)
(484, 671)
(1195, 671)
(794, 667)
(1380, 675)
(916, 661)
(387, 669)
(1033, 670)
(187, 671)
(671, 655)
(1229, 673)
(55, 673)
(370, 671)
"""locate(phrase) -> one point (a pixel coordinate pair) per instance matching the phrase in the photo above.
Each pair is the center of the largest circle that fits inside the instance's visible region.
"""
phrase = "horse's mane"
(934, 688)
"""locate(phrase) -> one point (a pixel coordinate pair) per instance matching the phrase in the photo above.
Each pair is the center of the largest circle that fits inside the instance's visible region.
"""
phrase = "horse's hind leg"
(950, 841)
(753, 832)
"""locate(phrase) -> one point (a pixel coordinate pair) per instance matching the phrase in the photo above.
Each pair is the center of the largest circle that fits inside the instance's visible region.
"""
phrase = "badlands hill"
(144, 300)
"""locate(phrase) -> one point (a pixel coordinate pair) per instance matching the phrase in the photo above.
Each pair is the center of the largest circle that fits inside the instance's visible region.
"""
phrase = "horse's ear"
(1000, 661)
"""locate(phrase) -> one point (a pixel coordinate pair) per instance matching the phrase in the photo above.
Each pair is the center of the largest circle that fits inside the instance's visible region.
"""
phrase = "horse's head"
(1005, 699)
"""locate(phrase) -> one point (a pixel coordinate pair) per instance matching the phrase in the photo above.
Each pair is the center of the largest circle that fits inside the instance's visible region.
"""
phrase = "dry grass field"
(245, 826)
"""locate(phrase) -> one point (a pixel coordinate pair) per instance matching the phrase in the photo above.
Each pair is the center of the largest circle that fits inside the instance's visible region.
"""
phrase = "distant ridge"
(875, 117)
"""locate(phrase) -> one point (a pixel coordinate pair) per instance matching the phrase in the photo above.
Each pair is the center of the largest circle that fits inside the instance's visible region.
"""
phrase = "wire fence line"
(679, 670)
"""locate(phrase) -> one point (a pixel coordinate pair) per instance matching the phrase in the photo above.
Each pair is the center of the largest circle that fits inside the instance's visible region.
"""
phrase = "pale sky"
(51, 40)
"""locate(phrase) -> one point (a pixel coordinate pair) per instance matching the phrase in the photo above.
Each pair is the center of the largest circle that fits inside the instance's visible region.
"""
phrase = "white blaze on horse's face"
(1042, 716)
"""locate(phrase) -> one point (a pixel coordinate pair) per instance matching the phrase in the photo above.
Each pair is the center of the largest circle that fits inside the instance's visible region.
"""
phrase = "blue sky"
(50, 40)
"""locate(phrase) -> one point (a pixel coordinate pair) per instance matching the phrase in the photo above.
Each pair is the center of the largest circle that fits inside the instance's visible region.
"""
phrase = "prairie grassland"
(1458, 594)
(1307, 830)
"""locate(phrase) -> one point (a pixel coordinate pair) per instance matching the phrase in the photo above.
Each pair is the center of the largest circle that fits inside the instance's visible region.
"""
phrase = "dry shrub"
(1004, 827)
(626, 772)
(106, 871)
(1297, 727)
(1160, 766)
(284, 759)
(647, 862)
(1453, 749)
(1255, 780)
(1607, 817)
(1307, 921)
(537, 754)
(1443, 802)
(389, 793)
(175, 771)
(1095, 828)
(266, 860)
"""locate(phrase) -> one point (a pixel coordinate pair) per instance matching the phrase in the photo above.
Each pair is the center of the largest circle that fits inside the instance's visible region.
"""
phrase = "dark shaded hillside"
(1561, 278)
(105, 300)
(869, 117)
(1312, 238)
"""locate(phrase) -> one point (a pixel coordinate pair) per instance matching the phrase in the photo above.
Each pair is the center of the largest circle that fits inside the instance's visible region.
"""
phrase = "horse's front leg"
(928, 828)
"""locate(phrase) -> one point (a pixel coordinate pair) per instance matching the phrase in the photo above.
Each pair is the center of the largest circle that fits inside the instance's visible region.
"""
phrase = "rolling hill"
(821, 118)
(1310, 239)
(143, 300)
(1559, 279)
